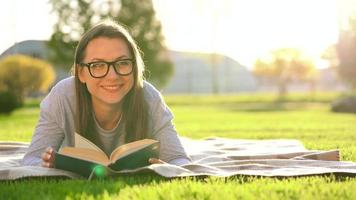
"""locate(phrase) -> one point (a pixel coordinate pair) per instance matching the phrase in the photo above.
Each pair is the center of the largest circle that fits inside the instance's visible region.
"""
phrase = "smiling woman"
(108, 91)
(106, 102)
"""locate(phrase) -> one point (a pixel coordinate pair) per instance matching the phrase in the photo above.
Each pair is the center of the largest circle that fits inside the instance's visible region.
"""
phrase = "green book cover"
(76, 165)
(85, 157)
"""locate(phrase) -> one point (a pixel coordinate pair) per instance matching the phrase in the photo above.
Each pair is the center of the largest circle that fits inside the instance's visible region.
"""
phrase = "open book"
(85, 156)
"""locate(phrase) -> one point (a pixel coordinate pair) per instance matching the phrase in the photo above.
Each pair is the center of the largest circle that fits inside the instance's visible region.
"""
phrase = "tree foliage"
(74, 18)
(8, 102)
(77, 16)
(330, 55)
(284, 66)
(21, 75)
(346, 53)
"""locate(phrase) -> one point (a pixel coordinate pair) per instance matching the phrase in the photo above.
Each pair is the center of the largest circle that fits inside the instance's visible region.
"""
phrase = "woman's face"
(112, 88)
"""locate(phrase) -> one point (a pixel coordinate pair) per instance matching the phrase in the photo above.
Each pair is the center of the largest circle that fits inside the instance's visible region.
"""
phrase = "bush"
(23, 74)
(346, 105)
(8, 102)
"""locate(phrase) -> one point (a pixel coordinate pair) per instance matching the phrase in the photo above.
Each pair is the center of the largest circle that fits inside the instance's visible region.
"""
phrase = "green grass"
(298, 116)
(20, 125)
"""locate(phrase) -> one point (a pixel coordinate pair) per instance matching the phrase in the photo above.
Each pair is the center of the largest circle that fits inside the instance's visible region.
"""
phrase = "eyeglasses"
(100, 69)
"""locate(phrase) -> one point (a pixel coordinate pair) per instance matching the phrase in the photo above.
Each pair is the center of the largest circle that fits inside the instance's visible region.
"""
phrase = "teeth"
(112, 87)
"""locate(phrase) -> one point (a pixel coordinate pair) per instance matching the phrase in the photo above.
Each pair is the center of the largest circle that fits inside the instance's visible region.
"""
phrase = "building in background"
(194, 72)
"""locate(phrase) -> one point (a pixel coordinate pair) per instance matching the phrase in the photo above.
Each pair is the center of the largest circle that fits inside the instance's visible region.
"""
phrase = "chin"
(111, 100)
(114, 97)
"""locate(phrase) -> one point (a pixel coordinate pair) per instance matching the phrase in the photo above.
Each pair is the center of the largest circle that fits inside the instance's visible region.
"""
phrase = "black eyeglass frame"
(109, 64)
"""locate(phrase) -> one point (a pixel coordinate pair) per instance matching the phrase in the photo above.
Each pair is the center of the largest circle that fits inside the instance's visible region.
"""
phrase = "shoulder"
(58, 108)
(154, 100)
(65, 86)
(62, 93)
(151, 94)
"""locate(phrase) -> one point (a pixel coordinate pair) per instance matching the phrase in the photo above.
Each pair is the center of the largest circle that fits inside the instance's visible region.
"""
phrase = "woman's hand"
(155, 161)
(48, 158)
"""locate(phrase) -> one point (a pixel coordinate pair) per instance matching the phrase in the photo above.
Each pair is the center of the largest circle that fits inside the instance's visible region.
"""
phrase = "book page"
(128, 148)
(82, 142)
(85, 154)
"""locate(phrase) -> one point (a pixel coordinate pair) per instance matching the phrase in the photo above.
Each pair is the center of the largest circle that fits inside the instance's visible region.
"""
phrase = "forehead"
(106, 49)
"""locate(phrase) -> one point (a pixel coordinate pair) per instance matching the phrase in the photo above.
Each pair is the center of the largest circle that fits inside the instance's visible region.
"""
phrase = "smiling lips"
(112, 88)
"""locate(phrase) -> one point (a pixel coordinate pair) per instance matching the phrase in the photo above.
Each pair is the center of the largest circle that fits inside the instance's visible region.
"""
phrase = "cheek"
(130, 80)
(91, 86)
(83, 75)
(80, 73)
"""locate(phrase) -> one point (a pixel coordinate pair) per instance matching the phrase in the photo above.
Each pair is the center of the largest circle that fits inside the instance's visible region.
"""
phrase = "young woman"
(107, 101)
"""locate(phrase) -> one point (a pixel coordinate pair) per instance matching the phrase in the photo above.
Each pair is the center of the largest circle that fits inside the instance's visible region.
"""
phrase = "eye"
(98, 65)
(124, 62)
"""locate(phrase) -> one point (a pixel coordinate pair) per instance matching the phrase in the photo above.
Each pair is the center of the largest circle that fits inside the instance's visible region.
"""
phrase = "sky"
(241, 29)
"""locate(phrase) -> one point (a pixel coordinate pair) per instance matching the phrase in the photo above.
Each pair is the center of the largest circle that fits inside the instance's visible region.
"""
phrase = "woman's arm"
(163, 130)
(47, 133)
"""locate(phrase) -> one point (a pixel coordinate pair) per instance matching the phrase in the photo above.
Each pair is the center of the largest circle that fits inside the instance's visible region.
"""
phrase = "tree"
(76, 16)
(346, 53)
(22, 75)
(139, 16)
(330, 55)
(284, 66)
(8, 102)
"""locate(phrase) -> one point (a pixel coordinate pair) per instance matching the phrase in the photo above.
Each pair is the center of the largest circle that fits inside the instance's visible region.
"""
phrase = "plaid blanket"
(211, 157)
(11, 154)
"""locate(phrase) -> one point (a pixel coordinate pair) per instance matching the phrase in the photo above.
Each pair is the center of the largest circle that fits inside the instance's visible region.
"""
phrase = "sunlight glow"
(100, 171)
(241, 29)
(246, 30)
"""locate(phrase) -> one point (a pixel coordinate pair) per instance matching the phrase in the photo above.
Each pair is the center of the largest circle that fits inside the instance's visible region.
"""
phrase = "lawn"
(299, 116)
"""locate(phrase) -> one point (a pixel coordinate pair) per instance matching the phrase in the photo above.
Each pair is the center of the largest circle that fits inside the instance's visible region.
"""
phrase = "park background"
(237, 69)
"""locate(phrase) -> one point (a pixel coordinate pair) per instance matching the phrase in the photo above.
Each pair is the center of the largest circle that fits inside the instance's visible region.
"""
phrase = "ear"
(81, 73)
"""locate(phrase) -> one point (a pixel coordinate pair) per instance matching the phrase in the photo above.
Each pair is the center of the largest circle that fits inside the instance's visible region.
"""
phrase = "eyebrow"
(100, 59)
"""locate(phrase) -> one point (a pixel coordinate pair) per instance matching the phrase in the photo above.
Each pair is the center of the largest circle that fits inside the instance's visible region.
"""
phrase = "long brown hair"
(135, 114)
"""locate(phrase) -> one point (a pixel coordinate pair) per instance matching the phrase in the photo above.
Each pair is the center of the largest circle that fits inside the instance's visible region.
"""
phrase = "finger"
(51, 156)
(49, 150)
(155, 161)
(45, 164)
(51, 159)
(50, 164)
(46, 156)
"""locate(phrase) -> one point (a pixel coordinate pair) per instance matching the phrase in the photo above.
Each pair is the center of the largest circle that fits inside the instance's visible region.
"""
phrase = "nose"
(112, 72)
